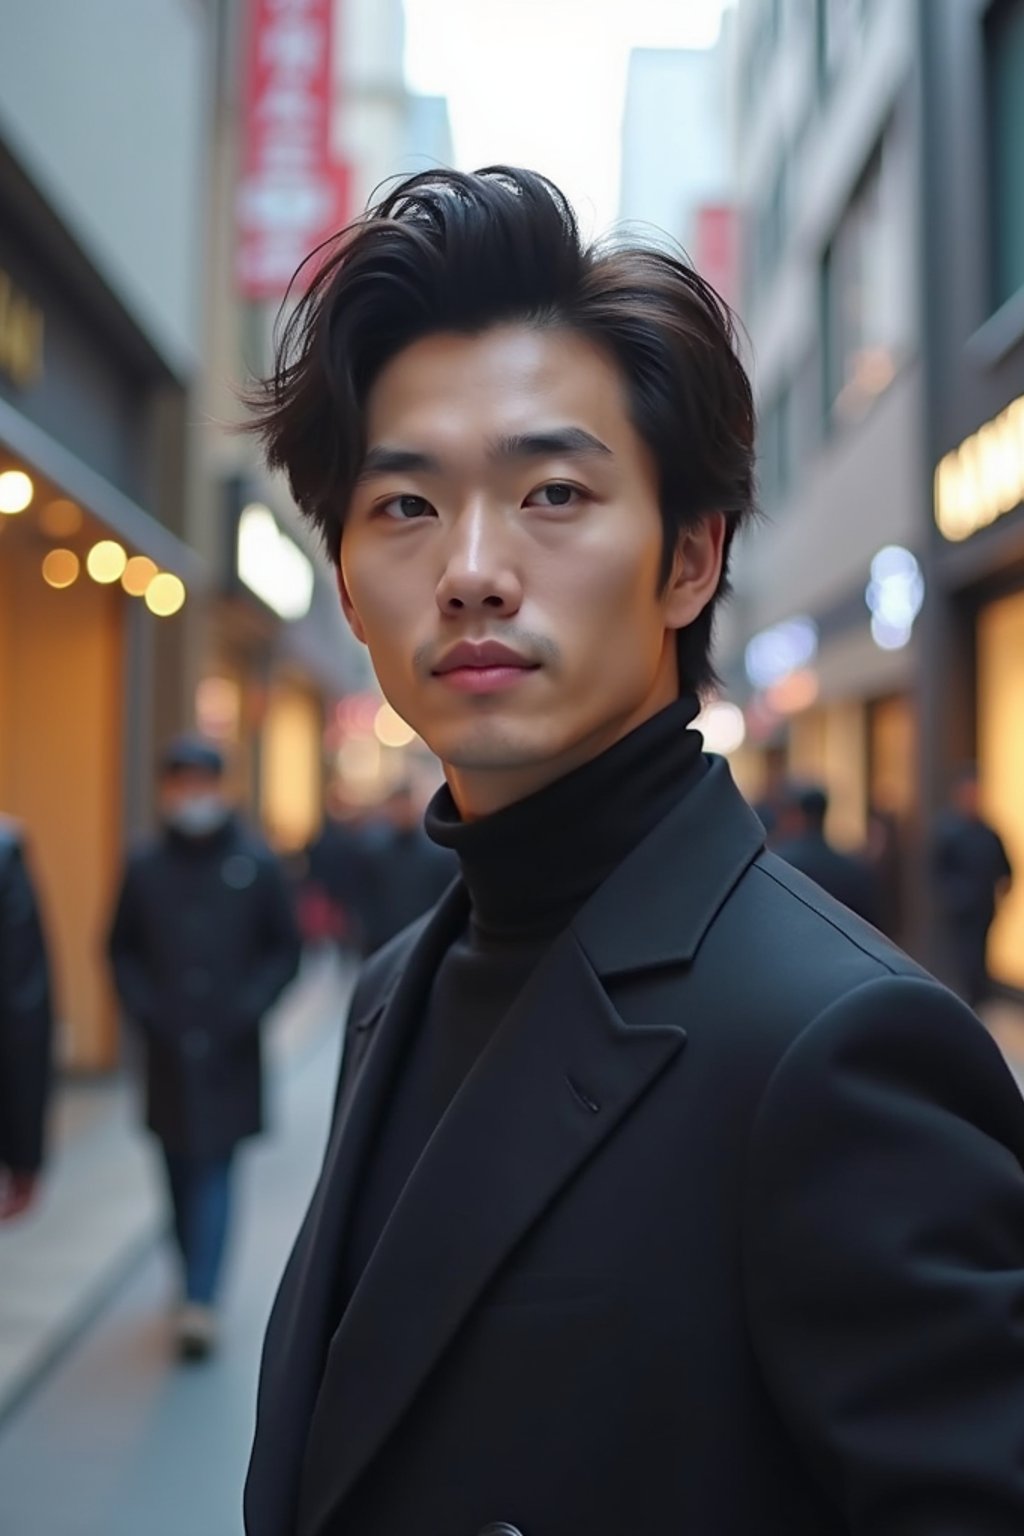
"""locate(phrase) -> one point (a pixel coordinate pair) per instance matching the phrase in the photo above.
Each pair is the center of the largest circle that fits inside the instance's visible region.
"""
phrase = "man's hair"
(450, 252)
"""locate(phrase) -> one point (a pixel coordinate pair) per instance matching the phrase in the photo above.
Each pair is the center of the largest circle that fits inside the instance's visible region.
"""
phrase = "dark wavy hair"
(447, 251)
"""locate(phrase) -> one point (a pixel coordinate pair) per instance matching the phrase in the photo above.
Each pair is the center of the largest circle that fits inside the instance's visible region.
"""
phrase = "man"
(661, 1194)
(404, 873)
(203, 942)
(799, 838)
(26, 1029)
(972, 874)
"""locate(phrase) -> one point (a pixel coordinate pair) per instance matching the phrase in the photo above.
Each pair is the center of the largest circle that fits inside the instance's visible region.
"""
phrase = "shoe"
(197, 1331)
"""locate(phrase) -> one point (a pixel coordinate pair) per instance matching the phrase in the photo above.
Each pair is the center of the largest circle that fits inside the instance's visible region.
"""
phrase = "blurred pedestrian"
(799, 838)
(404, 873)
(26, 1028)
(204, 940)
(972, 874)
(333, 881)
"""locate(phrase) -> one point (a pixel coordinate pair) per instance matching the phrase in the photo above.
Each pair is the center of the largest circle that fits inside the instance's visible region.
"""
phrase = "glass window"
(1004, 46)
(864, 326)
(839, 23)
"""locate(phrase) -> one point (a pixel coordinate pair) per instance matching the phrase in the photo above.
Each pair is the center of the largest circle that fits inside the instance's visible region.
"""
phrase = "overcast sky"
(542, 82)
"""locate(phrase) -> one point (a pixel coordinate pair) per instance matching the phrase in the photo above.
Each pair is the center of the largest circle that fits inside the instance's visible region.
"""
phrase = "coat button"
(500, 1529)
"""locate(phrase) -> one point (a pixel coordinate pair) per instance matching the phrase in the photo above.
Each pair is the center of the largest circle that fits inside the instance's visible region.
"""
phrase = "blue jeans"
(201, 1201)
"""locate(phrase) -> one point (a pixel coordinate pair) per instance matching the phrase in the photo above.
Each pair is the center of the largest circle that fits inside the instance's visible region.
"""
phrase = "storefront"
(94, 593)
(278, 659)
(979, 518)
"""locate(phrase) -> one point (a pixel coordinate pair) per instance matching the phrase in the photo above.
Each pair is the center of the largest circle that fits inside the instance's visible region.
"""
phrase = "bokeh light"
(165, 595)
(61, 568)
(106, 562)
(138, 574)
(16, 491)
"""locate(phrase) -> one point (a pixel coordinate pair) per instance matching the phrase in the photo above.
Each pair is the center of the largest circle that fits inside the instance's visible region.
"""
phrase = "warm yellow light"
(390, 729)
(60, 519)
(138, 574)
(16, 491)
(359, 762)
(983, 479)
(165, 595)
(106, 562)
(61, 568)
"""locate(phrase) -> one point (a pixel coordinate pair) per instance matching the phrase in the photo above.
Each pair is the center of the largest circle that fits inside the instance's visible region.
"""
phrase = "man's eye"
(405, 508)
(556, 494)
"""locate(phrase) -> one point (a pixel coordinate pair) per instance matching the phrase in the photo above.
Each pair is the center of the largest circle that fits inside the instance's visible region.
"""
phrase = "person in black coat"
(662, 1194)
(26, 1028)
(799, 838)
(972, 873)
(204, 940)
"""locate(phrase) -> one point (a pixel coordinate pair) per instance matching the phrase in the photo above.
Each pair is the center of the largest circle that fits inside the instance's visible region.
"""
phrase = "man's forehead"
(502, 384)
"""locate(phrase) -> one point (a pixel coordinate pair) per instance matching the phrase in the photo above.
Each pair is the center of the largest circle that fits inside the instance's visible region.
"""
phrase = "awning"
(103, 500)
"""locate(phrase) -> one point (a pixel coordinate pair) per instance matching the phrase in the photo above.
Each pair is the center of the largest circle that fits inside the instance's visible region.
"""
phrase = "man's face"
(507, 501)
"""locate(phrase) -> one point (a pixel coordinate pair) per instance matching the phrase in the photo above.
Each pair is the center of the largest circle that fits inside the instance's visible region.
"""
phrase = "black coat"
(26, 1022)
(845, 878)
(722, 1236)
(204, 940)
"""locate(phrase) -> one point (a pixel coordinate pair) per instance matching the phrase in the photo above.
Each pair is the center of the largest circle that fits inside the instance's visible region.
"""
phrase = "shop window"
(775, 458)
(1000, 664)
(864, 304)
(1004, 53)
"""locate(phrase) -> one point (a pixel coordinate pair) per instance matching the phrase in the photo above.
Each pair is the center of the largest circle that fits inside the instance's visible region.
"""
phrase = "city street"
(117, 1439)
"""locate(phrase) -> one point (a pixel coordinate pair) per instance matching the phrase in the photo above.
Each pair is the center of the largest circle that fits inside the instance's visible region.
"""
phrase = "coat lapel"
(555, 1082)
(306, 1308)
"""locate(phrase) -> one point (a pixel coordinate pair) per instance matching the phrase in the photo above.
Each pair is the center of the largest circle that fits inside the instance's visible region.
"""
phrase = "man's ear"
(696, 571)
(348, 608)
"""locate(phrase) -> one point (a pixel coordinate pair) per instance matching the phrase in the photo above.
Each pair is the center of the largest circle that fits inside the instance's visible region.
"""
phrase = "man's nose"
(480, 574)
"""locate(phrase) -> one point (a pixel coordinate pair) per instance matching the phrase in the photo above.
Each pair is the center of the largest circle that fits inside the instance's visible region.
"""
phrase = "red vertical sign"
(716, 248)
(292, 193)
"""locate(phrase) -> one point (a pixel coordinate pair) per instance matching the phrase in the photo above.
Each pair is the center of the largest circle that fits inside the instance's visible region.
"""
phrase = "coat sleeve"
(884, 1262)
(26, 1019)
(277, 949)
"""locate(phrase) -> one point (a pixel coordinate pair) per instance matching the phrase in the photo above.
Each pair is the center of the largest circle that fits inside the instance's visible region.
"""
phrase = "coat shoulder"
(800, 952)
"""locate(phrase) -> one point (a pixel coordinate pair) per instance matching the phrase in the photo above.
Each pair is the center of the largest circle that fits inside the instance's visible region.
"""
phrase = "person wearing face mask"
(203, 941)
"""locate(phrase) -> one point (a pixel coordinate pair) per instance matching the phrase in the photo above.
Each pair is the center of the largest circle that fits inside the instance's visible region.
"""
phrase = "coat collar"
(562, 1073)
(681, 874)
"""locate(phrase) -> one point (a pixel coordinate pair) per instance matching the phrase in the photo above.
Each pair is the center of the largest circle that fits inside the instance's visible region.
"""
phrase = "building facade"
(99, 342)
(972, 689)
(820, 644)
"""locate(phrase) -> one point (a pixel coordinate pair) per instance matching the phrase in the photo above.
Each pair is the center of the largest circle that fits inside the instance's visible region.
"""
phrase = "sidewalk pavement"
(102, 1206)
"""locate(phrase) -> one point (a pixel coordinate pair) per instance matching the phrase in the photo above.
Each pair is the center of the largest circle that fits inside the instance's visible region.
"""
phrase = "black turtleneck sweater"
(528, 868)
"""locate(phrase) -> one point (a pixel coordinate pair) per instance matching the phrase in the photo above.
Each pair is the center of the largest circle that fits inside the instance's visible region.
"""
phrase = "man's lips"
(482, 656)
(485, 666)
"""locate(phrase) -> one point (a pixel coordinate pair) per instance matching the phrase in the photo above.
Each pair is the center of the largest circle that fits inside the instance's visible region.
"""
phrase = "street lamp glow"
(16, 491)
(165, 595)
(106, 562)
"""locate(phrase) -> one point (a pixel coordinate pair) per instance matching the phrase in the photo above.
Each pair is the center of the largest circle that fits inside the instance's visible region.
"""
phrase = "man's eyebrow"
(555, 443)
(385, 460)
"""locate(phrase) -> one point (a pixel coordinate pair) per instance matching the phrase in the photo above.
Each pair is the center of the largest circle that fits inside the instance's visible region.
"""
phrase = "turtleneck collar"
(531, 866)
